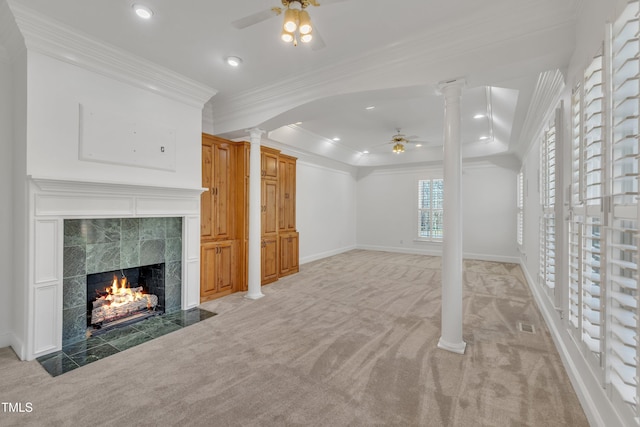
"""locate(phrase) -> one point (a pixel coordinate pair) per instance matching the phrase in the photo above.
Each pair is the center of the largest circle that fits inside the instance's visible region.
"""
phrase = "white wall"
(6, 208)
(19, 221)
(55, 90)
(387, 212)
(325, 210)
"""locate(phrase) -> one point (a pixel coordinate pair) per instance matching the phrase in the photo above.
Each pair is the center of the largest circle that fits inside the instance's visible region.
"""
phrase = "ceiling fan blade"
(317, 42)
(255, 18)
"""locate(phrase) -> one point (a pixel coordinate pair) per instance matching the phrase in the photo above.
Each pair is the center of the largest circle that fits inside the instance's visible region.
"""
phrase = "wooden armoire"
(223, 220)
(279, 244)
(225, 211)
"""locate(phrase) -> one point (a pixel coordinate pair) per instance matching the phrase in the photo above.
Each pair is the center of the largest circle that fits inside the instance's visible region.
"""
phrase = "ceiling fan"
(297, 22)
(399, 140)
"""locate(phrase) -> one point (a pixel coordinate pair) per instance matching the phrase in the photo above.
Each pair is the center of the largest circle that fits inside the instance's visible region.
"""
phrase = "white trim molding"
(44, 35)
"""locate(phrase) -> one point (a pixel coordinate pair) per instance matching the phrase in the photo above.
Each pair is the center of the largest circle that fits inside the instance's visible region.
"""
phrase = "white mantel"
(53, 200)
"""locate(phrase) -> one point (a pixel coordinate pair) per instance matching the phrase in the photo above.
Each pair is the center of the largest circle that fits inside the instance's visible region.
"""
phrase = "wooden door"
(290, 196)
(208, 283)
(222, 191)
(288, 253)
(269, 159)
(269, 207)
(216, 269)
(224, 267)
(206, 198)
(286, 193)
(269, 255)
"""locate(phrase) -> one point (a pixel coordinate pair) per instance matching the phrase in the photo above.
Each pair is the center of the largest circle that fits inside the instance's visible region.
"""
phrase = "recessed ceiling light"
(370, 107)
(336, 138)
(298, 123)
(143, 11)
(365, 152)
(234, 61)
(479, 116)
(418, 145)
(484, 138)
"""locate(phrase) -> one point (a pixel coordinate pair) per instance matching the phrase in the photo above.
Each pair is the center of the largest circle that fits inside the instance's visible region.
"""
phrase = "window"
(586, 306)
(548, 195)
(605, 213)
(623, 213)
(430, 209)
(520, 206)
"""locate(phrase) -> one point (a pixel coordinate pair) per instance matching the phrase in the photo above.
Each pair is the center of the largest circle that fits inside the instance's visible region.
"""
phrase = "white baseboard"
(315, 257)
(401, 250)
(595, 403)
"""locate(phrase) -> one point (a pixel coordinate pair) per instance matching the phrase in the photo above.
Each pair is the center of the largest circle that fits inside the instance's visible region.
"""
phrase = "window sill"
(427, 241)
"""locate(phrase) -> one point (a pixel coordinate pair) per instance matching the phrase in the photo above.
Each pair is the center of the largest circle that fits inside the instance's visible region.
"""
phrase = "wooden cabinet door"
(206, 198)
(269, 160)
(269, 256)
(269, 207)
(290, 196)
(224, 267)
(216, 269)
(286, 194)
(222, 190)
(208, 285)
(288, 254)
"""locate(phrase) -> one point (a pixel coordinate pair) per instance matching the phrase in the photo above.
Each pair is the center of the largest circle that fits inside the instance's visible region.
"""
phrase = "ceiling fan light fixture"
(304, 22)
(306, 38)
(398, 148)
(290, 20)
(286, 36)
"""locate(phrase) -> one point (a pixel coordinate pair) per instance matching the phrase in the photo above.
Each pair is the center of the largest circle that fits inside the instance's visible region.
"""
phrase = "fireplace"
(122, 297)
(78, 228)
(147, 252)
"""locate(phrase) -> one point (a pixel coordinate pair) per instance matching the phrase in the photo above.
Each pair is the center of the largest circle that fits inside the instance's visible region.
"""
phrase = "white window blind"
(586, 306)
(548, 219)
(622, 264)
(520, 218)
(430, 209)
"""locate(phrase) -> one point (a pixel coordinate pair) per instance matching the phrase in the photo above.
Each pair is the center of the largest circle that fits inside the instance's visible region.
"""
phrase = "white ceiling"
(388, 54)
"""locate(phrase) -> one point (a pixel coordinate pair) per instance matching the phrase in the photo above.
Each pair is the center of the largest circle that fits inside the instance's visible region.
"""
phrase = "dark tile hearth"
(95, 348)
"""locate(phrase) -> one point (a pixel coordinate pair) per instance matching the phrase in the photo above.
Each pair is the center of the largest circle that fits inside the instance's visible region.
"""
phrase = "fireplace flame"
(119, 293)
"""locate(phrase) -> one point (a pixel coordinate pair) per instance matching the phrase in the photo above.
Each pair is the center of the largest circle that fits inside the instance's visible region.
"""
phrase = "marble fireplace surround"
(55, 202)
(94, 246)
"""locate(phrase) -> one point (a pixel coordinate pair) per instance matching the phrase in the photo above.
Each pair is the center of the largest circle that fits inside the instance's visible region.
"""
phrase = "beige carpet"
(350, 340)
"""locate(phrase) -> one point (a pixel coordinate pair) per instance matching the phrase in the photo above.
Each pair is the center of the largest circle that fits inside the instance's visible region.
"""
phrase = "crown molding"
(44, 35)
(11, 41)
(545, 97)
(424, 52)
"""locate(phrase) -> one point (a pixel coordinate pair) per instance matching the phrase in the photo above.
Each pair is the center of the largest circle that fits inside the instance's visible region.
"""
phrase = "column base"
(254, 296)
(454, 348)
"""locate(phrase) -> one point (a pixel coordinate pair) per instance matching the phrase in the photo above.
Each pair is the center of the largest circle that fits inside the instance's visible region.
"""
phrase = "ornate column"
(254, 291)
(451, 331)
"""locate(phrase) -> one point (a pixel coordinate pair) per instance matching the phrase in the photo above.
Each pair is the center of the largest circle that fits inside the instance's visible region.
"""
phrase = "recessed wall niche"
(98, 245)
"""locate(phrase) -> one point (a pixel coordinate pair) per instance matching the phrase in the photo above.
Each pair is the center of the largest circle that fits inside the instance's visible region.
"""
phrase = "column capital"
(451, 87)
(256, 134)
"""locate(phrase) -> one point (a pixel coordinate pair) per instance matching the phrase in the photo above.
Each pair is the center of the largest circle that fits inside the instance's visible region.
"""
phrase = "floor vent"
(526, 327)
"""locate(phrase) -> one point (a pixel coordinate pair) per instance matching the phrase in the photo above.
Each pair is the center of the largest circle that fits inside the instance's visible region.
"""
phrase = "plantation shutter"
(520, 219)
(548, 219)
(623, 232)
(430, 209)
